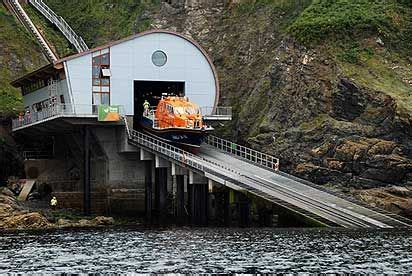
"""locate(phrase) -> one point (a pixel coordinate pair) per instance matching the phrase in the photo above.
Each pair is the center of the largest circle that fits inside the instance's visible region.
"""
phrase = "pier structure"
(87, 108)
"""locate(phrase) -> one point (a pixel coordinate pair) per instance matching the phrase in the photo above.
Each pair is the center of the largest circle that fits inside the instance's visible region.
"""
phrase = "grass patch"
(19, 54)
(10, 102)
(52, 34)
(101, 21)
(354, 53)
(251, 6)
(378, 75)
(316, 123)
(67, 214)
(343, 19)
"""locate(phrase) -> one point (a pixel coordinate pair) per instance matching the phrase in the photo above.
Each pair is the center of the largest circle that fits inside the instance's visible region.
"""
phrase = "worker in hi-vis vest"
(146, 106)
(53, 202)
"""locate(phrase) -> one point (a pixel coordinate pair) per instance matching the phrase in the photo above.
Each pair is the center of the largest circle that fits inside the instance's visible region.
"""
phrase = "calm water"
(207, 250)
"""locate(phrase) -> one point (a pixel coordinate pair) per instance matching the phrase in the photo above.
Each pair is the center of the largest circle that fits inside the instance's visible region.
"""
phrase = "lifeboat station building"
(77, 111)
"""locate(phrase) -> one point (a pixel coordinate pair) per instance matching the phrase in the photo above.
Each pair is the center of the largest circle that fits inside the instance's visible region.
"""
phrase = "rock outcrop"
(301, 104)
(14, 216)
(394, 199)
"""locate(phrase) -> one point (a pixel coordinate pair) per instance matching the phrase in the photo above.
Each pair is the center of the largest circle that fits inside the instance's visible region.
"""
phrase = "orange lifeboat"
(176, 120)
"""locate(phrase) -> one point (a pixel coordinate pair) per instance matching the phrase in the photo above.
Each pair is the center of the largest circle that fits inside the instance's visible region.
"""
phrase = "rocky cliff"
(19, 54)
(324, 85)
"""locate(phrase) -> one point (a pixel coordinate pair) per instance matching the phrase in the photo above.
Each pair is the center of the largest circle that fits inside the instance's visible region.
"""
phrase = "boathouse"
(75, 138)
(82, 143)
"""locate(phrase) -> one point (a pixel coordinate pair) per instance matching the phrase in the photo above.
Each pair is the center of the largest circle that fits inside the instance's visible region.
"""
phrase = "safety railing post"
(249, 154)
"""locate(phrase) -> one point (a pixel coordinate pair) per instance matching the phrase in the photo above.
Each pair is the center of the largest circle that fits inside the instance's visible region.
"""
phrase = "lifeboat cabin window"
(169, 109)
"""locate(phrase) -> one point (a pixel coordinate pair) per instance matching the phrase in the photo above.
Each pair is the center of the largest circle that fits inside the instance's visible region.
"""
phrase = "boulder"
(64, 223)
(382, 147)
(26, 221)
(7, 200)
(394, 199)
(85, 223)
(351, 150)
(102, 220)
(348, 101)
(5, 210)
(321, 175)
(6, 191)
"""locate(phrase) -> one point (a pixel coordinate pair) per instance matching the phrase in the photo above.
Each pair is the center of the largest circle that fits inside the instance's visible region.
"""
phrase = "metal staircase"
(242, 169)
(15, 7)
(61, 24)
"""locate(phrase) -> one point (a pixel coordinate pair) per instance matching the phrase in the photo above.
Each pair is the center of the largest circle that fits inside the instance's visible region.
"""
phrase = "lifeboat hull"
(187, 139)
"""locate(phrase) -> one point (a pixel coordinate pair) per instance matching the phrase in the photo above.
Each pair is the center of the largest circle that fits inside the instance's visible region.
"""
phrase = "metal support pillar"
(199, 203)
(161, 191)
(148, 190)
(244, 210)
(86, 173)
(180, 196)
(190, 204)
(227, 207)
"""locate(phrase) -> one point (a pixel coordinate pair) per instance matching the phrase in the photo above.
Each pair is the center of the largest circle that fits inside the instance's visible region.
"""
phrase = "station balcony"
(57, 111)
(219, 113)
(84, 111)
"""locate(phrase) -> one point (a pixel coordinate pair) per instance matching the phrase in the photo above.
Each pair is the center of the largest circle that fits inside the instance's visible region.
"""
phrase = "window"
(159, 58)
(106, 72)
(101, 77)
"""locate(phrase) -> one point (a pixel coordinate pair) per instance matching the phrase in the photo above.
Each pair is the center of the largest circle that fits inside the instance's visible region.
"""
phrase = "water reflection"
(208, 250)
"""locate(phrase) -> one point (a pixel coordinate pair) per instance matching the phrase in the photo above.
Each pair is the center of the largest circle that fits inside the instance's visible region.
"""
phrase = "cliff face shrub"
(10, 102)
(251, 6)
(99, 21)
(328, 19)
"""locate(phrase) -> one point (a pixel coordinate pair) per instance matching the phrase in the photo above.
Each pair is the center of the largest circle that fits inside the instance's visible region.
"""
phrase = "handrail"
(249, 154)
(175, 153)
(61, 24)
(18, 10)
(56, 110)
(216, 110)
(37, 154)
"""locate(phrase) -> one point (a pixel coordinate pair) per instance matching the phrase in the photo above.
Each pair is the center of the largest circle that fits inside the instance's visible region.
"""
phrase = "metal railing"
(61, 24)
(175, 153)
(17, 9)
(57, 110)
(37, 154)
(216, 111)
(249, 154)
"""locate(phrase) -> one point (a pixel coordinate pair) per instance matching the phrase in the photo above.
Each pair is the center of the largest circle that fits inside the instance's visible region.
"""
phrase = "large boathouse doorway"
(152, 92)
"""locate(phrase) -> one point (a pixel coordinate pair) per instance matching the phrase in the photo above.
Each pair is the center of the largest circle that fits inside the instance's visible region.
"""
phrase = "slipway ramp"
(245, 169)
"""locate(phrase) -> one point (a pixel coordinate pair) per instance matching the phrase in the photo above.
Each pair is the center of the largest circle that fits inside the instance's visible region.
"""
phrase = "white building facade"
(115, 73)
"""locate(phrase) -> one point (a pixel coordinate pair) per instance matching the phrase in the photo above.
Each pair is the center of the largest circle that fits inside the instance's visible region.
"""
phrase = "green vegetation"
(349, 29)
(251, 6)
(377, 74)
(19, 53)
(101, 21)
(355, 53)
(10, 102)
(346, 19)
(316, 123)
(58, 42)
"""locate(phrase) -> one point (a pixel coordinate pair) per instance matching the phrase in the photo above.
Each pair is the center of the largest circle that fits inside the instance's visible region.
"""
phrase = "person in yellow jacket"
(53, 202)
(146, 106)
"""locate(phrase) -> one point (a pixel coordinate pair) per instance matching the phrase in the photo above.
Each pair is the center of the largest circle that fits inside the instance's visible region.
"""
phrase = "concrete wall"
(123, 169)
(117, 177)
